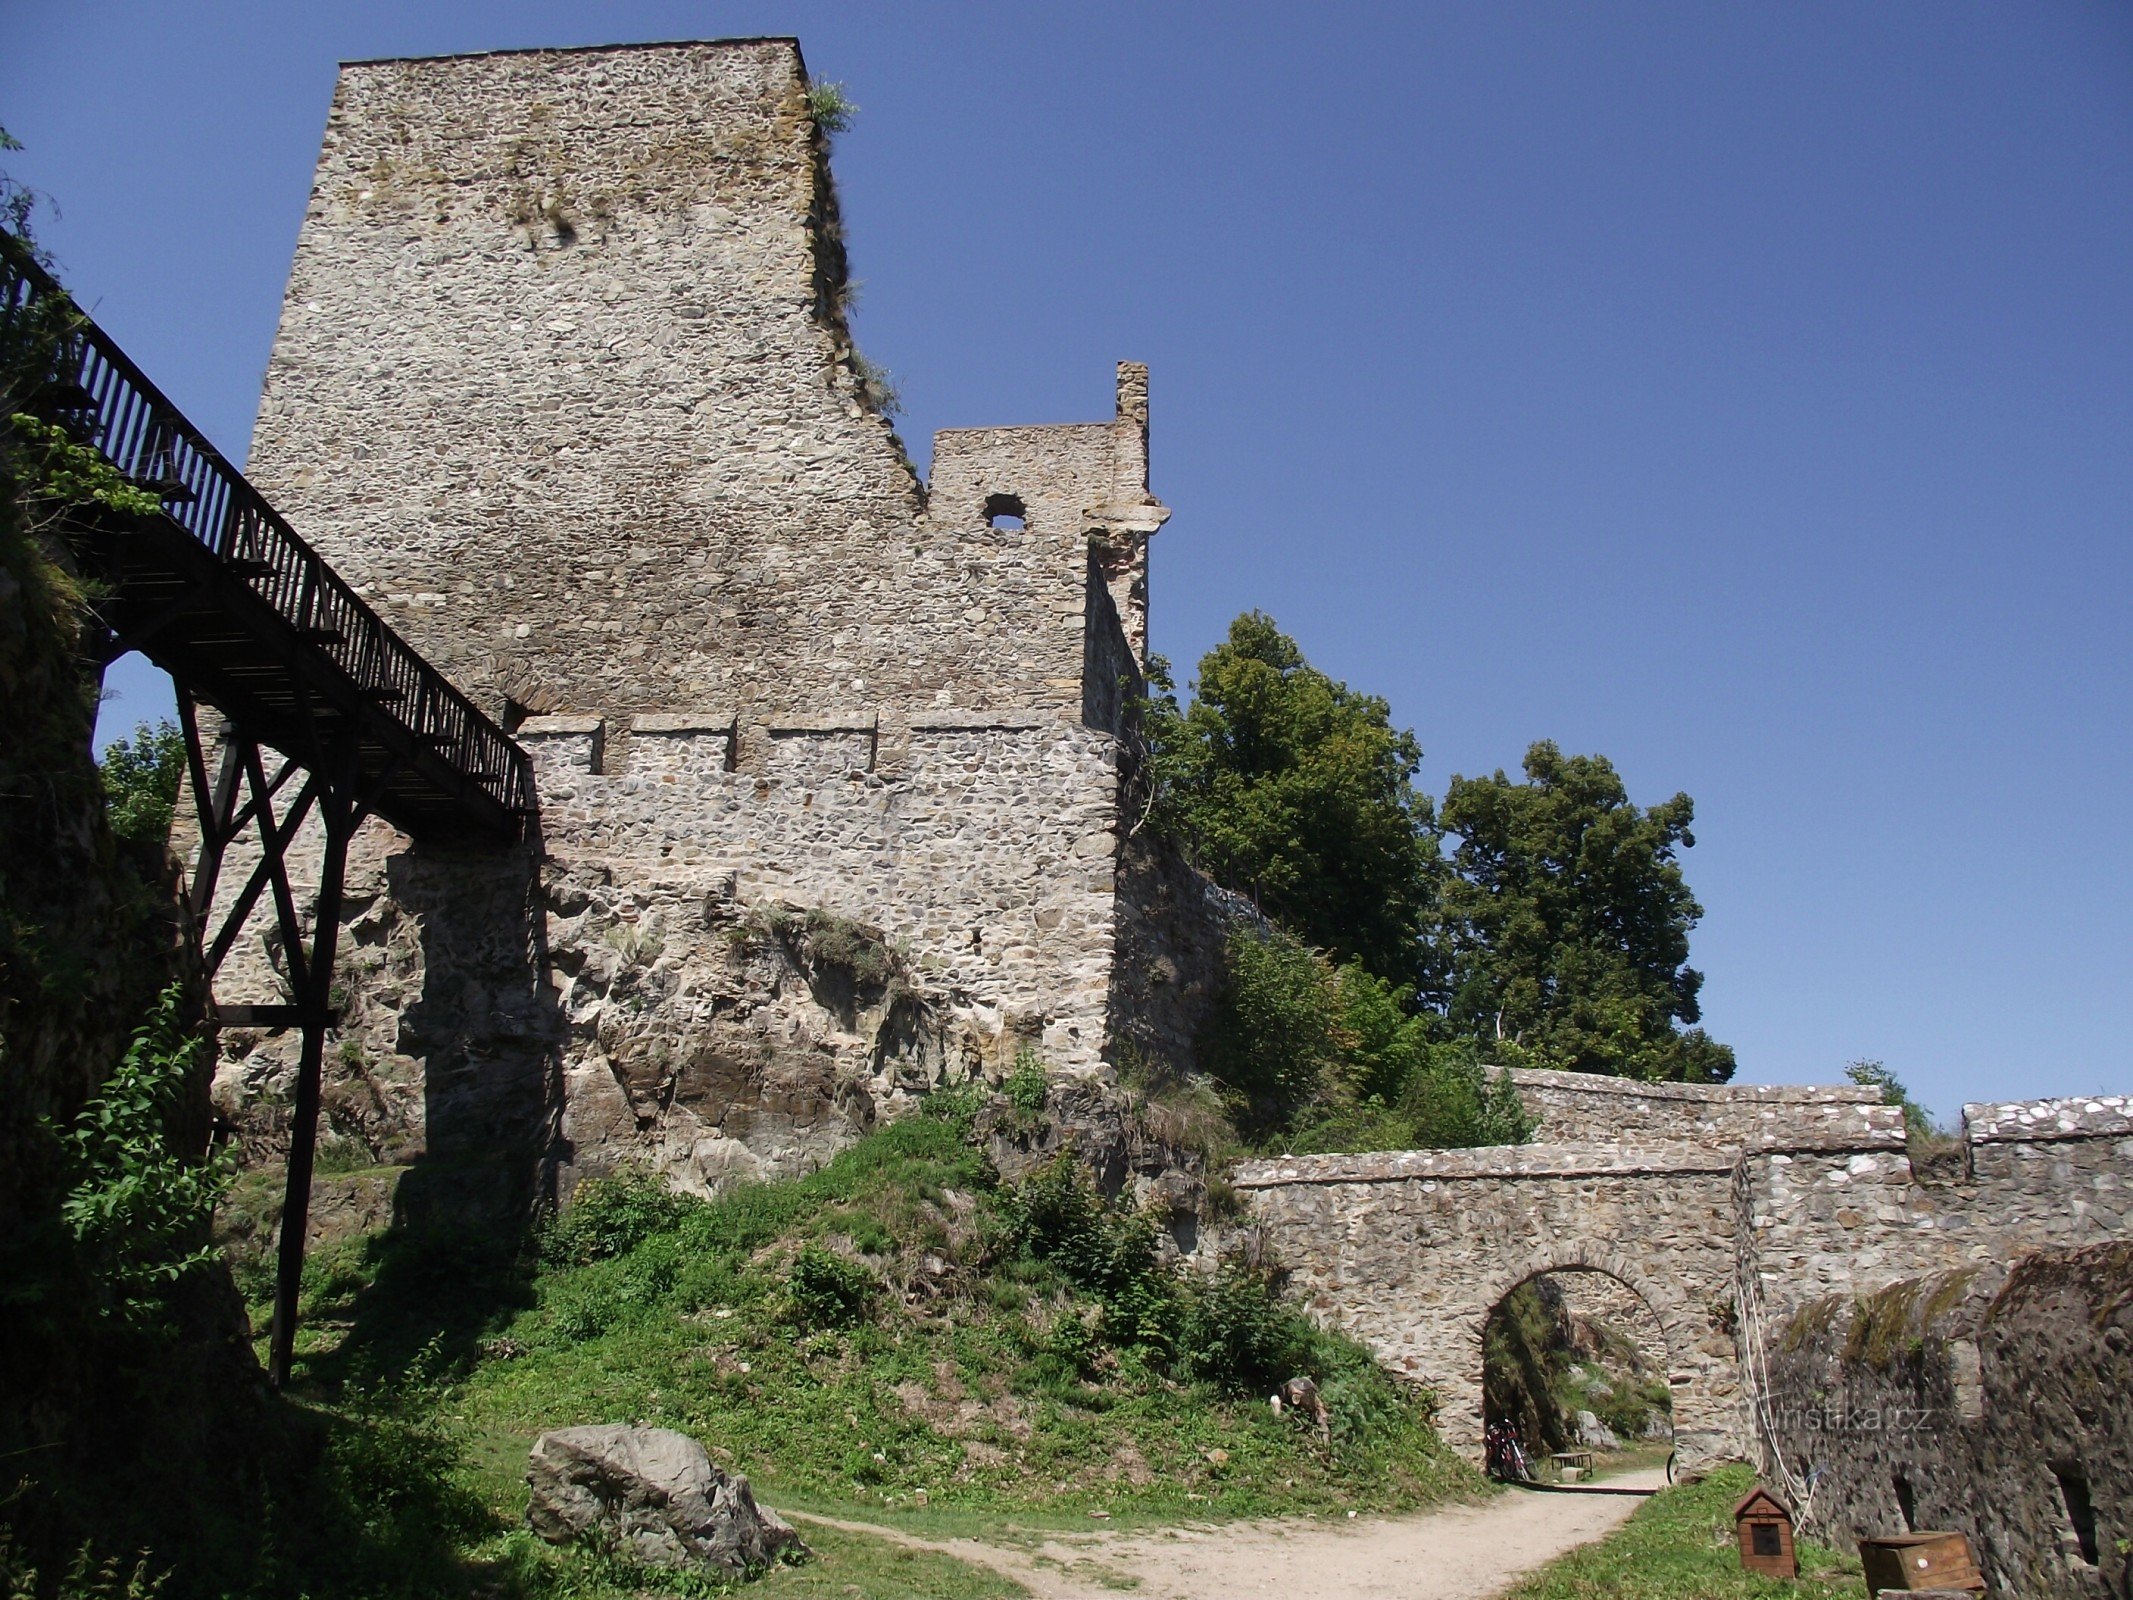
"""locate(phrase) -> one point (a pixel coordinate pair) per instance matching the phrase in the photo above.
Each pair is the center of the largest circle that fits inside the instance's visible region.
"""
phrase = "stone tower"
(563, 384)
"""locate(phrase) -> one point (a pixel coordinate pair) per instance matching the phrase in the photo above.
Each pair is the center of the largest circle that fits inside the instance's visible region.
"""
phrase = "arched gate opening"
(1574, 1378)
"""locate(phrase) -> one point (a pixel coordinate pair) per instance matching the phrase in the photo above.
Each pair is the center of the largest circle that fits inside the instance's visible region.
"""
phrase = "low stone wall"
(1788, 1196)
(1997, 1401)
(1584, 1107)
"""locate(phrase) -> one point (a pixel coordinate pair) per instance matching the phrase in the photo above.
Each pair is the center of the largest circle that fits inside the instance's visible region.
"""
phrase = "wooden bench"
(1573, 1464)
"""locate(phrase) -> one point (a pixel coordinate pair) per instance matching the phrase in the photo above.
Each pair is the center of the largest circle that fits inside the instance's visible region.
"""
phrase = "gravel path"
(1463, 1552)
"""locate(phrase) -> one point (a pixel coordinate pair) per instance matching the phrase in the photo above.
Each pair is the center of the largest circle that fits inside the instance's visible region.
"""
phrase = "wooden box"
(1763, 1525)
(1919, 1561)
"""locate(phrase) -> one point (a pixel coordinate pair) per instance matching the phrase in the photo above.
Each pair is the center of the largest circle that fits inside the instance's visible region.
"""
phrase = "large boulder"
(1593, 1434)
(653, 1496)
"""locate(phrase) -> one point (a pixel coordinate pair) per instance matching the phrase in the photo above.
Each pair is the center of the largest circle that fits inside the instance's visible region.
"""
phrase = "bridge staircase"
(328, 716)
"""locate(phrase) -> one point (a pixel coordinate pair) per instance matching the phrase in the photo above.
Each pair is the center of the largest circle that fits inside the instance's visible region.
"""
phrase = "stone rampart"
(1787, 1197)
(1995, 1400)
(1577, 1106)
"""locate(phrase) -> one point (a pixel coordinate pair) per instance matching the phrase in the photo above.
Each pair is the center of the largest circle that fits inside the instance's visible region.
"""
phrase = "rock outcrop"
(653, 1496)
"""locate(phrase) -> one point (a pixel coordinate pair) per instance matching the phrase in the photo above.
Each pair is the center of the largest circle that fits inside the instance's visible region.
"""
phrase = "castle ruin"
(835, 778)
(830, 769)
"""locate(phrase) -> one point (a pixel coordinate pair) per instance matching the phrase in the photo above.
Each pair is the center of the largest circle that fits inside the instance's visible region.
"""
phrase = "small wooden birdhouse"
(1764, 1527)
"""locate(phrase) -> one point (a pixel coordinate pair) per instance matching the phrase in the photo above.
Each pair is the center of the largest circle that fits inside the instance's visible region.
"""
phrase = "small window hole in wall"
(1006, 512)
(1763, 1539)
(2080, 1512)
(1907, 1503)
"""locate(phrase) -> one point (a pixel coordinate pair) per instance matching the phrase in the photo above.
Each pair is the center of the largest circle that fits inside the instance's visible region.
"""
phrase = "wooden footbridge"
(329, 716)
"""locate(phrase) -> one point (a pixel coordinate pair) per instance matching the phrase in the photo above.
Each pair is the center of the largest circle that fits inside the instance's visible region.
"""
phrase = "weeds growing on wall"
(830, 104)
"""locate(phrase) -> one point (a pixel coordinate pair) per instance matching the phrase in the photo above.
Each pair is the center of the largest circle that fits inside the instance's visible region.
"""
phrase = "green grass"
(890, 1339)
(1680, 1546)
(849, 1563)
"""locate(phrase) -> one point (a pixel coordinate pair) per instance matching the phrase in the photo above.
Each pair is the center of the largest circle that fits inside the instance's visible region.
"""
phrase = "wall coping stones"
(684, 722)
(1756, 1093)
(1485, 1162)
(826, 722)
(1653, 1158)
(2101, 1116)
(552, 727)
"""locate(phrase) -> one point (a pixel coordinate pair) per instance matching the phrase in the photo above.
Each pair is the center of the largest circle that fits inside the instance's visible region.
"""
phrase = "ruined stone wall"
(1171, 925)
(563, 386)
(1996, 1401)
(1579, 1107)
(1410, 1251)
(2029, 1174)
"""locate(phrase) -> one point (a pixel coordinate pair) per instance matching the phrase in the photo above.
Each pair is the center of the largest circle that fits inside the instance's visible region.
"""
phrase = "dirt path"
(1458, 1553)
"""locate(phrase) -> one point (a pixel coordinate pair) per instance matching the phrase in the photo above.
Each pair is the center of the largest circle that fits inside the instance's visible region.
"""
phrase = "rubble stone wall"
(1410, 1251)
(1996, 1401)
(1573, 1107)
(563, 385)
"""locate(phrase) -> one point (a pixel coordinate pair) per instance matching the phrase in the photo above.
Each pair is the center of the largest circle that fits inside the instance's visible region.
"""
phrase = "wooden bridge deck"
(220, 592)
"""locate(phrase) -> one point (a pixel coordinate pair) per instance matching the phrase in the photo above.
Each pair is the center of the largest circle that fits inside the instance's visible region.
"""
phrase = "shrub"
(138, 1210)
(828, 1291)
(611, 1216)
(1237, 1335)
(1274, 1037)
(1027, 1085)
(1452, 1101)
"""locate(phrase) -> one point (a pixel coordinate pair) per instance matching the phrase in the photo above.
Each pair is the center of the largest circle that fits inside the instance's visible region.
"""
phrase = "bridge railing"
(131, 423)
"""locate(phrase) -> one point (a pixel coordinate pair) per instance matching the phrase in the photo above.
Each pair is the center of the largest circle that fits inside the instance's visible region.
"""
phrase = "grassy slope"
(1680, 1546)
(963, 1379)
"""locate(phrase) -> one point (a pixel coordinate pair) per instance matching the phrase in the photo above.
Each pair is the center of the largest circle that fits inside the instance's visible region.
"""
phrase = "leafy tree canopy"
(1568, 921)
(1292, 787)
(1917, 1120)
(141, 781)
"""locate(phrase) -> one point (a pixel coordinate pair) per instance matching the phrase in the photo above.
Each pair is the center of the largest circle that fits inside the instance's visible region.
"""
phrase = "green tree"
(1568, 923)
(1917, 1120)
(1291, 787)
(1275, 1042)
(141, 781)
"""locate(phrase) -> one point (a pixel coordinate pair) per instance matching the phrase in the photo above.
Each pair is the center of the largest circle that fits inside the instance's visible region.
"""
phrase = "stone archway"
(1410, 1251)
(1701, 1373)
(1573, 1358)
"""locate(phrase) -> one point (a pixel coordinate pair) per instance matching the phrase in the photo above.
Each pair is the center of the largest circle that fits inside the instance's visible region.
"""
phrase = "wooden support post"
(316, 1000)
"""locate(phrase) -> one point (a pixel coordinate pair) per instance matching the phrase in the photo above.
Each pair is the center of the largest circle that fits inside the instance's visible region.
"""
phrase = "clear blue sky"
(1742, 391)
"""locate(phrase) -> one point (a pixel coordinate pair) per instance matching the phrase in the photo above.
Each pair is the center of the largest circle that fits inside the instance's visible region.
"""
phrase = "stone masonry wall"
(563, 386)
(1995, 1401)
(2033, 1174)
(1410, 1251)
(1573, 1107)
